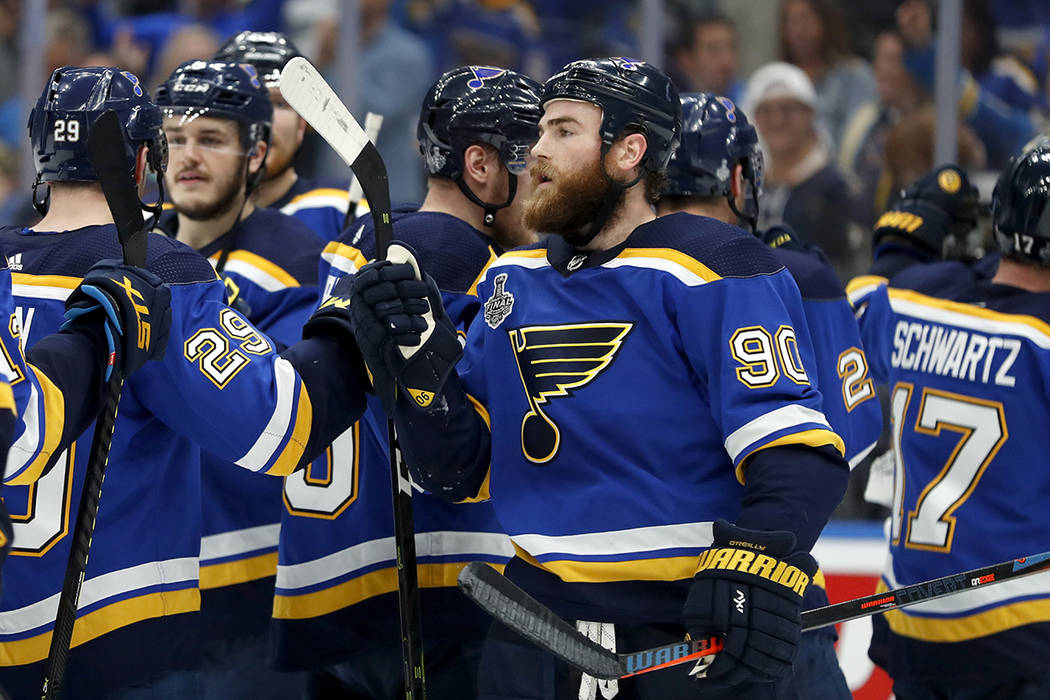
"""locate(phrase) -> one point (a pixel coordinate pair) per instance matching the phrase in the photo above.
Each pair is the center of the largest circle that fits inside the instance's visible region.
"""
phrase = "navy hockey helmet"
(74, 98)
(221, 90)
(716, 135)
(267, 51)
(475, 104)
(479, 104)
(631, 94)
(1020, 210)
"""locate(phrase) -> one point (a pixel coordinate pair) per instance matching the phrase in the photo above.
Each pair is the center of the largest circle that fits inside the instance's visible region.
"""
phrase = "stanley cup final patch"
(500, 304)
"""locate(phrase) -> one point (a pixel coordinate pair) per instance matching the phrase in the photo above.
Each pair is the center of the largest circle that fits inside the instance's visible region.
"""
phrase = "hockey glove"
(783, 236)
(940, 206)
(405, 336)
(748, 587)
(134, 307)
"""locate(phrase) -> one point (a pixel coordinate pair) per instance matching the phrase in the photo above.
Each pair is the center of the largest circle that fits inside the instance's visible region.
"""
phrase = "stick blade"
(307, 92)
(519, 611)
(107, 152)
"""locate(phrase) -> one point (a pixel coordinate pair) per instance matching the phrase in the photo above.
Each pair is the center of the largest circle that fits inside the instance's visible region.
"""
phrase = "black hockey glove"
(783, 236)
(748, 587)
(940, 206)
(402, 329)
(135, 308)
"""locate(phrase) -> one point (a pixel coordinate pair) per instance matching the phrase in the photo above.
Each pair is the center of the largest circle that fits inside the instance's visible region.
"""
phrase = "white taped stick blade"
(399, 254)
(307, 92)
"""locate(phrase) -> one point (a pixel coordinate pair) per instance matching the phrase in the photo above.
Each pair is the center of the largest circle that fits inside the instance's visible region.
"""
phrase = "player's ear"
(255, 158)
(479, 163)
(140, 167)
(737, 182)
(628, 152)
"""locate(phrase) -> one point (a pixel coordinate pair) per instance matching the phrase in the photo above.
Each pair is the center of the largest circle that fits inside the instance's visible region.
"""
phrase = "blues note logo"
(483, 73)
(554, 361)
(253, 74)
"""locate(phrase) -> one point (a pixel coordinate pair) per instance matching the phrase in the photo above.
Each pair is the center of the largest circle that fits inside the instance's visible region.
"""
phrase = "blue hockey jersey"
(320, 204)
(626, 390)
(220, 386)
(337, 577)
(850, 402)
(968, 364)
(270, 260)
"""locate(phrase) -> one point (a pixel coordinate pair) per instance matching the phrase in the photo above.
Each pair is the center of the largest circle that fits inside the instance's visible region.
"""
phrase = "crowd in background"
(841, 92)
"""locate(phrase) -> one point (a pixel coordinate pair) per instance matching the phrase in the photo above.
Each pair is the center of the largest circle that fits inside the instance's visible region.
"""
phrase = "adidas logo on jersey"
(15, 261)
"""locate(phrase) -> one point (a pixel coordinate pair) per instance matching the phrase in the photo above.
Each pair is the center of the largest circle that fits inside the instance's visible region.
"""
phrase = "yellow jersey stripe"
(54, 410)
(473, 290)
(7, 398)
(1032, 322)
(296, 445)
(240, 571)
(654, 569)
(63, 281)
(320, 192)
(862, 281)
(260, 263)
(103, 621)
(814, 438)
(677, 257)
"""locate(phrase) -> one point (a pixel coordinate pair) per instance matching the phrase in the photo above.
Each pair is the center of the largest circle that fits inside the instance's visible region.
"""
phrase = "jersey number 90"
(762, 356)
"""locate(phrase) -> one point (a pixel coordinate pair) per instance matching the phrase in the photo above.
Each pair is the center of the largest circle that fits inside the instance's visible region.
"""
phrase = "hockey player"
(221, 386)
(335, 609)
(320, 204)
(717, 172)
(664, 425)
(217, 119)
(963, 349)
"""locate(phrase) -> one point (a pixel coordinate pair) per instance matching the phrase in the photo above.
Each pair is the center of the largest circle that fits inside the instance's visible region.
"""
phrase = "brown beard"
(227, 199)
(569, 205)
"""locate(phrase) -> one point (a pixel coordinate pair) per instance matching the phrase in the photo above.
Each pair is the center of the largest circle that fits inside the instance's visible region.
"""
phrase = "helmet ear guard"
(1020, 213)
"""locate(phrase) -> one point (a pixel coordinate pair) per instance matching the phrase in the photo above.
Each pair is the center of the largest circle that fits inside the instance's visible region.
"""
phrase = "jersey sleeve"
(747, 340)
(871, 302)
(844, 377)
(223, 383)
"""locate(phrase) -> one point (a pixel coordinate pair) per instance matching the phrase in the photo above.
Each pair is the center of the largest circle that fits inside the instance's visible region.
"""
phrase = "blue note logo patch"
(498, 306)
(553, 362)
(483, 73)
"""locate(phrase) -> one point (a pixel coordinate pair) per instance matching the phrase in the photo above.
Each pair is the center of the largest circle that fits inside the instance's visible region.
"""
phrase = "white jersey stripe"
(679, 272)
(251, 272)
(99, 588)
(612, 542)
(25, 448)
(321, 201)
(340, 263)
(258, 457)
(769, 423)
(34, 291)
(991, 326)
(228, 544)
(360, 556)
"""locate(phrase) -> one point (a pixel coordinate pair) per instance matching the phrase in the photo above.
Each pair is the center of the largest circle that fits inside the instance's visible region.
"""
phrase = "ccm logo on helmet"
(190, 87)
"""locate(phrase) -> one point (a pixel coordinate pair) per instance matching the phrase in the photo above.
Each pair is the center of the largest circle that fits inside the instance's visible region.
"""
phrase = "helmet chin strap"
(752, 219)
(490, 208)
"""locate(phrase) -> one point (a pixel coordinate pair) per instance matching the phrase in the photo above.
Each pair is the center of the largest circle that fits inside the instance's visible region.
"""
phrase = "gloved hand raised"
(133, 305)
(748, 587)
(402, 329)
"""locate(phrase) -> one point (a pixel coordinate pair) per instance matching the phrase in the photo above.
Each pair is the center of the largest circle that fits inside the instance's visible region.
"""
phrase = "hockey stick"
(373, 123)
(309, 95)
(106, 148)
(528, 617)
